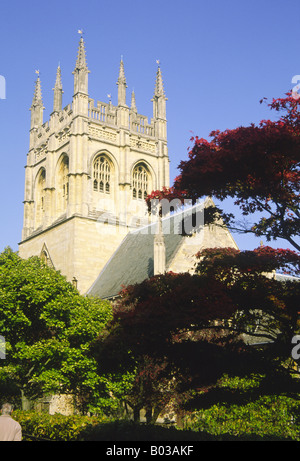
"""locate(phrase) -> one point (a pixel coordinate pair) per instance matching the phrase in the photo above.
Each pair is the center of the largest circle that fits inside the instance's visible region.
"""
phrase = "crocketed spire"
(81, 57)
(58, 83)
(121, 85)
(81, 70)
(37, 107)
(57, 103)
(159, 86)
(37, 96)
(133, 102)
(121, 79)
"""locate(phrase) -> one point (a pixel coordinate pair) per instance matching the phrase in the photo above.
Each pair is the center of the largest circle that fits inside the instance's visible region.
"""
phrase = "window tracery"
(140, 182)
(101, 175)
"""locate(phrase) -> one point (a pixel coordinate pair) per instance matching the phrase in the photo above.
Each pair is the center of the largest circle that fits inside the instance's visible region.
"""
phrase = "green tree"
(48, 329)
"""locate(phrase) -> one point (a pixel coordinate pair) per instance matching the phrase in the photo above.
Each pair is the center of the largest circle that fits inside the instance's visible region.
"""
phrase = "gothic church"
(89, 168)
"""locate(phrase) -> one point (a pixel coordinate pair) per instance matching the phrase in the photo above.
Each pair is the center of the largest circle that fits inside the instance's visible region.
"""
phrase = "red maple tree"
(183, 331)
(257, 166)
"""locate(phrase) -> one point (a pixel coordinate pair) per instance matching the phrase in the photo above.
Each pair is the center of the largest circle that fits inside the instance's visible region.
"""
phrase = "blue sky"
(218, 59)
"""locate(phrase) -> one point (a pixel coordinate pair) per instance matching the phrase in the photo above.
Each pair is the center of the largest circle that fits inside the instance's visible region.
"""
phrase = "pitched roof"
(133, 262)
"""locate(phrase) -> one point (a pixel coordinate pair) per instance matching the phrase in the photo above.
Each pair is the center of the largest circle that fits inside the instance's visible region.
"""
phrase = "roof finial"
(81, 70)
(81, 59)
(121, 85)
(58, 91)
(133, 102)
(37, 97)
(58, 83)
(121, 79)
(159, 87)
(37, 106)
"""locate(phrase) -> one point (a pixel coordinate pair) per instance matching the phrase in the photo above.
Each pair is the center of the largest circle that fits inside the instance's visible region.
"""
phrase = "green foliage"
(242, 384)
(256, 416)
(42, 426)
(267, 419)
(48, 329)
(55, 427)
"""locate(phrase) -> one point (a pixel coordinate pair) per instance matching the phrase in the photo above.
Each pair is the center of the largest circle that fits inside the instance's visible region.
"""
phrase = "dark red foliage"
(261, 260)
(258, 166)
(161, 310)
(182, 331)
(170, 303)
(171, 194)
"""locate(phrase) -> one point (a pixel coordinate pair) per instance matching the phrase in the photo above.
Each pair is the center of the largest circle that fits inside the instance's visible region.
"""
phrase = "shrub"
(57, 427)
(268, 417)
(42, 426)
(130, 431)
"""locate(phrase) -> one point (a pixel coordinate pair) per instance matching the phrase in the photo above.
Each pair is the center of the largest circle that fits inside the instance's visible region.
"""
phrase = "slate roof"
(133, 262)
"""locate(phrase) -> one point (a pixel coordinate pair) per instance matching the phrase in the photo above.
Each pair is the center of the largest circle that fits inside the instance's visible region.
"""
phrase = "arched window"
(40, 197)
(140, 182)
(101, 175)
(45, 256)
(62, 185)
(65, 180)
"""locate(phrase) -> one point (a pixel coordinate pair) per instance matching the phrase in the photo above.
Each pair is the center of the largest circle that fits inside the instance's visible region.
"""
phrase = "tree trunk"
(136, 415)
(26, 404)
(155, 414)
(149, 415)
(179, 419)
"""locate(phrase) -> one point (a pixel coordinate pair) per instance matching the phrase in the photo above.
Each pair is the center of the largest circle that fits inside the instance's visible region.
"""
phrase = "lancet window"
(64, 180)
(62, 185)
(40, 197)
(140, 182)
(102, 175)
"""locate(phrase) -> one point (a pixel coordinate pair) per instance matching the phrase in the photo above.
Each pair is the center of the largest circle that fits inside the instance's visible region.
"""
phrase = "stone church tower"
(88, 170)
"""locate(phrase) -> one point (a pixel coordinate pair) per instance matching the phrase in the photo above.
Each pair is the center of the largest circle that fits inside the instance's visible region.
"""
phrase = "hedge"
(57, 427)
(44, 427)
(217, 423)
(267, 417)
